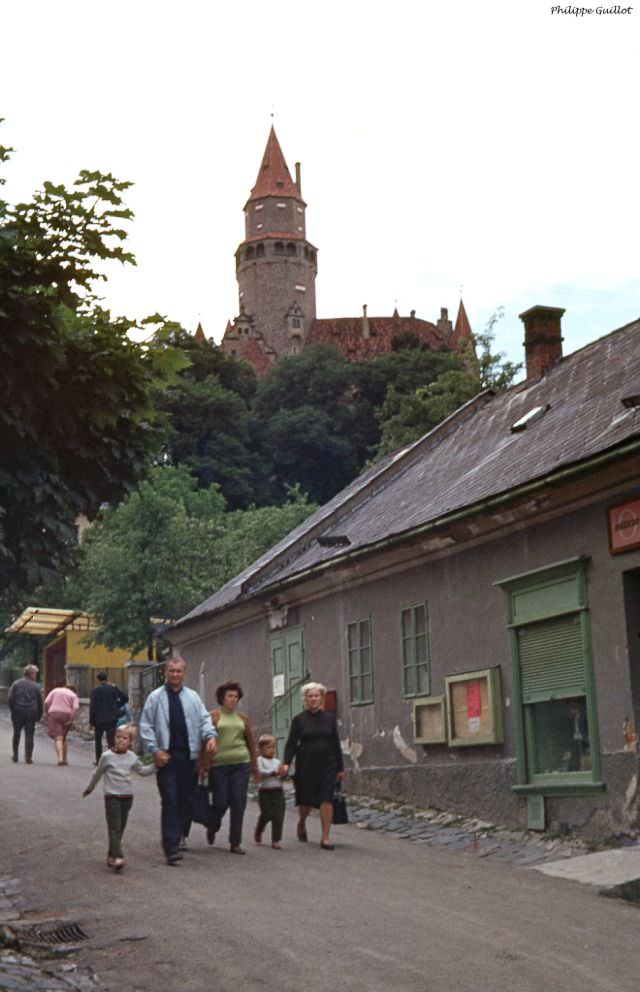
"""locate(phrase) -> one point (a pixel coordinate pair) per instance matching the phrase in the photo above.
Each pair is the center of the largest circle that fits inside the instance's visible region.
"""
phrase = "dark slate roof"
(471, 457)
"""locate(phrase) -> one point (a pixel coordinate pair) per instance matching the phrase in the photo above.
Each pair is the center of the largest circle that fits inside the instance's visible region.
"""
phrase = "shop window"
(555, 710)
(359, 650)
(415, 650)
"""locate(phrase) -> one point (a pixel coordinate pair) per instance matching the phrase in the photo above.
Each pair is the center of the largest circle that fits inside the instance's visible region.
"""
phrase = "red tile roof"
(348, 334)
(274, 178)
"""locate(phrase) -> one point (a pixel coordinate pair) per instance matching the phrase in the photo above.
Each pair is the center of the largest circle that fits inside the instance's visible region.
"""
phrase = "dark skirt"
(314, 783)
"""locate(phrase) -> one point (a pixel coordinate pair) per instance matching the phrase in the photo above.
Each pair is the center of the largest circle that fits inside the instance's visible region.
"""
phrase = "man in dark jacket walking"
(104, 703)
(25, 706)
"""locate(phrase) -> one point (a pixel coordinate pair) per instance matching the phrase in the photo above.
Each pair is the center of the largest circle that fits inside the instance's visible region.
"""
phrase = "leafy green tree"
(166, 547)
(77, 419)
(406, 416)
(209, 426)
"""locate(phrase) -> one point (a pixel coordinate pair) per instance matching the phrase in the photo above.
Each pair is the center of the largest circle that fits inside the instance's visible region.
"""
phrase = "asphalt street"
(378, 913)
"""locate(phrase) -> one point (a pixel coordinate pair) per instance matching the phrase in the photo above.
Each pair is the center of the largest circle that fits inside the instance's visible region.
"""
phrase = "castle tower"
(275, 264)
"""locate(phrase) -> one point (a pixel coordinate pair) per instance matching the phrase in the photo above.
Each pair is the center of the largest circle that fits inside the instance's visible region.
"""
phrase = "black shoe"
(211, 836)
(14, 758)
(174, 858)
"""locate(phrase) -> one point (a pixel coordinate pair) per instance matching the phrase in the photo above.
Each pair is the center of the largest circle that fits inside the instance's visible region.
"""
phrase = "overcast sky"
(490, 145)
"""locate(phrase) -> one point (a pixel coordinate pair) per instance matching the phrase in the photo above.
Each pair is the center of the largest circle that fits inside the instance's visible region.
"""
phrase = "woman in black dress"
(313, 741)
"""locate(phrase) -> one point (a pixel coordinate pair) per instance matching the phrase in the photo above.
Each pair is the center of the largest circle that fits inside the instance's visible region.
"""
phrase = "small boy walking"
(116, 766)
(270, 792)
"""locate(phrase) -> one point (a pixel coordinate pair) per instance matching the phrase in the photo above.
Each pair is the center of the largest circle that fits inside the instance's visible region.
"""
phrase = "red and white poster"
(624, 527)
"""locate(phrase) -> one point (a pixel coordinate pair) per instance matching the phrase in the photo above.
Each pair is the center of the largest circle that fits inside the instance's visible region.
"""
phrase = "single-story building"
(472, 602)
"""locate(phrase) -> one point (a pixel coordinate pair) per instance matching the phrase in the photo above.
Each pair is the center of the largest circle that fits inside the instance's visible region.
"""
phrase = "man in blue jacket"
(173, 725)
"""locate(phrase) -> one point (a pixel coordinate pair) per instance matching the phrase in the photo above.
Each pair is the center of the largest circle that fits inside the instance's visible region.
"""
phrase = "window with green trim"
(555, 712)
(360, 654)
(414, 623)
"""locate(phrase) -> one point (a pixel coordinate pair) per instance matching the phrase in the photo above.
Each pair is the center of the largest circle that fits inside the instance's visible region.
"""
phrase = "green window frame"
(416, 660)
(557, 743)
(360, 658)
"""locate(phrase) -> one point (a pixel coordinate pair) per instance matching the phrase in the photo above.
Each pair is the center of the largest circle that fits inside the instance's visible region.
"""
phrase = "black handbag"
(340, 814)
(201, 805)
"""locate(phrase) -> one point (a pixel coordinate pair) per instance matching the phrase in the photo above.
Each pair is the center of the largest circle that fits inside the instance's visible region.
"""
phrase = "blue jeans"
(176, 783)
(229, 785)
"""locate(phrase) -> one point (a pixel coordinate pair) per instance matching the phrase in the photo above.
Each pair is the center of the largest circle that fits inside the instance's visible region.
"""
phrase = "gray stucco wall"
(467, 620)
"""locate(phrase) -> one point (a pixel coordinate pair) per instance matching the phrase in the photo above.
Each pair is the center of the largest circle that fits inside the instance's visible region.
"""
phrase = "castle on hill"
(276, 268)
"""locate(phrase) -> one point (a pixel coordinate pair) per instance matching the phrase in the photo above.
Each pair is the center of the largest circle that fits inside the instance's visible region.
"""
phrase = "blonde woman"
(313, 741)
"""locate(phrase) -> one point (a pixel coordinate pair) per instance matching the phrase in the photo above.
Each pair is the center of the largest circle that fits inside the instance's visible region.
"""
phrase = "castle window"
(301, 289)
(258, 226)
(281, 206)
(291, 248)
(300, 210)
(295, 322)
(259, 251)
(259, 206)
(278, 248)
(299, 227)
(249, 253)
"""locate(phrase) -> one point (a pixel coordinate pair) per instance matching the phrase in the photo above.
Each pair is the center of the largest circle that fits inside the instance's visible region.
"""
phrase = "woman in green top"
(231, 766)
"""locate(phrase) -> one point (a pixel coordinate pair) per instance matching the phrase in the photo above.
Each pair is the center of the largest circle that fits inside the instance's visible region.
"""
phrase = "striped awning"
(42, 621)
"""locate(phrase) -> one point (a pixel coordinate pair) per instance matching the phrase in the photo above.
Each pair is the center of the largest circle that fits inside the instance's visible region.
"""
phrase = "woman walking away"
(116, 766)
(60, 707)
(313, 741)
(231, 766)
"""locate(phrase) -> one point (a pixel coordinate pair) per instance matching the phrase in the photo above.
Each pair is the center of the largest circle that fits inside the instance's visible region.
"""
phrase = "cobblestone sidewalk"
(462, 834)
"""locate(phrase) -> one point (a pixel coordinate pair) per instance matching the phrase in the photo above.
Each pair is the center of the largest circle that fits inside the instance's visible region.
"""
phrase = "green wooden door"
(288, 673)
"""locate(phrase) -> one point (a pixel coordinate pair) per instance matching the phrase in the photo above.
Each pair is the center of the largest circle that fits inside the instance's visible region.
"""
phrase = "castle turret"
(275, 264)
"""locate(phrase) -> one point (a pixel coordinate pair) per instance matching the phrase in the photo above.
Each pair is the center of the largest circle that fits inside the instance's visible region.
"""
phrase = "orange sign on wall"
(624, 527)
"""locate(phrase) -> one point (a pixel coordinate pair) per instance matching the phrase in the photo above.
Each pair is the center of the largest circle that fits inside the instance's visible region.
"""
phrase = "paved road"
(375, 915)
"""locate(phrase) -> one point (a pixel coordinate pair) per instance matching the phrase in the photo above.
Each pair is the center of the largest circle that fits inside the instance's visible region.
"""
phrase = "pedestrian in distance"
(105, 703)
(60, 707)
(174, 724)
(115, 767)
(313, 741)
(25, 706)
(231, 766)
(270, 792)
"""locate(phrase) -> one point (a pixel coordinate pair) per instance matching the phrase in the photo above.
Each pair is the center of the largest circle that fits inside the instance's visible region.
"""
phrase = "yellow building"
(67, 657)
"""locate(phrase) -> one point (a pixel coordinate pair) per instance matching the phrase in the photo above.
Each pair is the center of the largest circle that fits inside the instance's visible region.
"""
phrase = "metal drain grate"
(66, 933)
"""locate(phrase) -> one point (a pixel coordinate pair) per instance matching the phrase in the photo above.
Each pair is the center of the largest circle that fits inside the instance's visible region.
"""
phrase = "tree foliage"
(406, 416)
(166, 547)
(77, 417)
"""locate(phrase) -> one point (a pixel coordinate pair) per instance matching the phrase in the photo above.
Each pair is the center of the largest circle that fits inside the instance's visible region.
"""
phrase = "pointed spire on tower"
(274, 178)
(199, 335)
(462, 331)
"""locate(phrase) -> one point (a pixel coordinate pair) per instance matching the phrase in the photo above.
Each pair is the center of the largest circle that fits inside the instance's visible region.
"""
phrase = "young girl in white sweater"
(116, 766)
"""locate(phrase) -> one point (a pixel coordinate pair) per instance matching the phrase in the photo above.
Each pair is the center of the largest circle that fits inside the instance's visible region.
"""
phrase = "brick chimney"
(542, 339)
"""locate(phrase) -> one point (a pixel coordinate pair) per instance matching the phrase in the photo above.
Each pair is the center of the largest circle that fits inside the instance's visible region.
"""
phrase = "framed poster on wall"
(474, 708)
(429, 720)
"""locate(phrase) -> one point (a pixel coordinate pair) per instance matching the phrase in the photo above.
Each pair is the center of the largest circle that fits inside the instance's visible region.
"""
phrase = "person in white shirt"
(270, 792)
(115, 767)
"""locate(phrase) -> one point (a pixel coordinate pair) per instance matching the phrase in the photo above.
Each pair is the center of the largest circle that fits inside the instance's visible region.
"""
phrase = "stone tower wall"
(267, 287)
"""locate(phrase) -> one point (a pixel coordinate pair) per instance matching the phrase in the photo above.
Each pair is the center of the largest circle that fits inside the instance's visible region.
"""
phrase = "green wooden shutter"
(551, 655)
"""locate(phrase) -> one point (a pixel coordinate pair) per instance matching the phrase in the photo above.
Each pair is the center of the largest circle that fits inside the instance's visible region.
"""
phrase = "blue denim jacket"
(154, 721)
